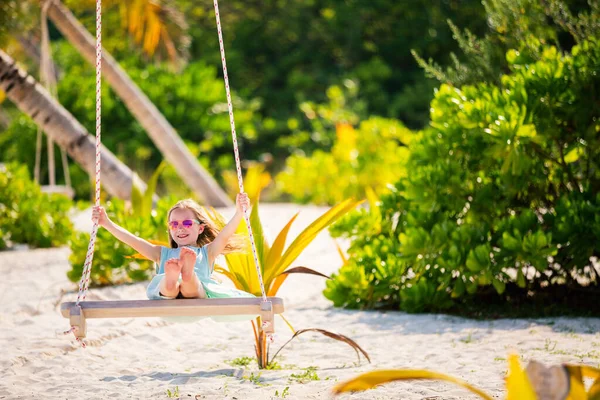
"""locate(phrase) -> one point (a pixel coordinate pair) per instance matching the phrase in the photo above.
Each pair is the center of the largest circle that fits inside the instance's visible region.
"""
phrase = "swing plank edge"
(171, 308)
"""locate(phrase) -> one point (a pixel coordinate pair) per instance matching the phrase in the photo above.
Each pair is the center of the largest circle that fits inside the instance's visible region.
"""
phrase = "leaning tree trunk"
(32, 99)
(160, 131)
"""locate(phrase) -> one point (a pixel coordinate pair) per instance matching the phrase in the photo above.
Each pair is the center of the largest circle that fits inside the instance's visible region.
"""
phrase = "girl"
(184, 269)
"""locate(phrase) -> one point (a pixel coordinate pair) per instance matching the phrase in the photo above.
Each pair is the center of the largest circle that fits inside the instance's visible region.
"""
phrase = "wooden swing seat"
(171, 308)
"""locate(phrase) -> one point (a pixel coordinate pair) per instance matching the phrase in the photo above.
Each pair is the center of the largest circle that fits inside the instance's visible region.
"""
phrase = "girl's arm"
(217, 246)
(142, 246)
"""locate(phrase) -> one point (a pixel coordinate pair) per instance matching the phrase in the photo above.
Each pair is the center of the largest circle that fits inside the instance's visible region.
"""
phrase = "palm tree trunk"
(160, 131)
(32, 99)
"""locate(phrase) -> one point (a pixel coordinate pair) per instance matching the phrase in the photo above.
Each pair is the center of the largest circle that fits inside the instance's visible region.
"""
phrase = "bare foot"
(172, 271)
(190, 285)
(187, 260)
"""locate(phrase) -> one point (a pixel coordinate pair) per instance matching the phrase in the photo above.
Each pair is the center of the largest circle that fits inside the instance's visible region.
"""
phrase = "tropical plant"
(29, 216)
(158, 28)
(536, 382)
(274, 260)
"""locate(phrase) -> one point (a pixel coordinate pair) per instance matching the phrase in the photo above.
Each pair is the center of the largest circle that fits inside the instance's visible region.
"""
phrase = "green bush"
(503, 190)
(18, 144)
(27, 215)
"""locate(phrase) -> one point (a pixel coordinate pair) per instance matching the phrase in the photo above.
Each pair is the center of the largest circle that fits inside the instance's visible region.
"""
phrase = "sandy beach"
(151, 358)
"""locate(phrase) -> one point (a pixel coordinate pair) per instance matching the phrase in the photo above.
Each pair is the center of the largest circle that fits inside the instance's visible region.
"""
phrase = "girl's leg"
(169, 286)
(190, 286)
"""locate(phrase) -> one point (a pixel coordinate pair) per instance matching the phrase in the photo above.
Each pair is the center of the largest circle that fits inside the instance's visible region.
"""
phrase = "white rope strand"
(235, 148)
(87, 269)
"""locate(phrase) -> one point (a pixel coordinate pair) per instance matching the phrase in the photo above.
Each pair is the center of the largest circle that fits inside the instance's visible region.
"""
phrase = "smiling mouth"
(182, 236)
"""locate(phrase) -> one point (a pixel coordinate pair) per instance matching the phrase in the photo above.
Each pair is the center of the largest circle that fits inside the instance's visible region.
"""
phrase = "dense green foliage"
(280, 55)
(288, 52)
(190, 100)
(13, 18)
(29, 216)
(503, 189)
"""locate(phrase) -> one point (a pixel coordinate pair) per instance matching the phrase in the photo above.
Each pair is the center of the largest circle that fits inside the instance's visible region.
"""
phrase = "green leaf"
(479, 258)
(499, 285)
(137, 197)
(521, 279)
(262, 245)
(459, 288)
(471, 287)
(510, 242)
(151, 189)
(512, 56)
(472, 262)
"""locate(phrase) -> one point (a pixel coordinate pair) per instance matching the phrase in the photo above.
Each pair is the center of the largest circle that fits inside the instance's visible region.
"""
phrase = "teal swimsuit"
(213, 289)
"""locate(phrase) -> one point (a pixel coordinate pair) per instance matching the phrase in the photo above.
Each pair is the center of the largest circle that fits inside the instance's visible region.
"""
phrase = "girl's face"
(184, 227)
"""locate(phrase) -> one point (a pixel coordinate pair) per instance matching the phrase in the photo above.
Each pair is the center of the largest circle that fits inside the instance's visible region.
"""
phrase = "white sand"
(144, 358)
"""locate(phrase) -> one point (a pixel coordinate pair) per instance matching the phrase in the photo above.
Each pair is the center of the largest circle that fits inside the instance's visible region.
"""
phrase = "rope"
(87, 268)
(235, 148)
(85, 278)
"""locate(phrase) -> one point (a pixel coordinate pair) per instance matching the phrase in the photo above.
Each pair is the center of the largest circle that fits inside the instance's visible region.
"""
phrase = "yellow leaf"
(371, 379)
(228, 274)
(590, 372)
(260, 241)
(527, 130)
(517, 382)
(341, 253)
(287, 323)
(255, 181)
(309, 234)
(574, 155)
(277, 282)
(346, 134)
(577, 386)
(276, 250)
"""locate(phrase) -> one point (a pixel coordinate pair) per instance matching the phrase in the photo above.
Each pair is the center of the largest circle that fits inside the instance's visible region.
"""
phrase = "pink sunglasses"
(186, 223)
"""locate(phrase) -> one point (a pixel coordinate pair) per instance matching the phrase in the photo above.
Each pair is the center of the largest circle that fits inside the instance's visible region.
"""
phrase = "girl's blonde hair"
(235, 244)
